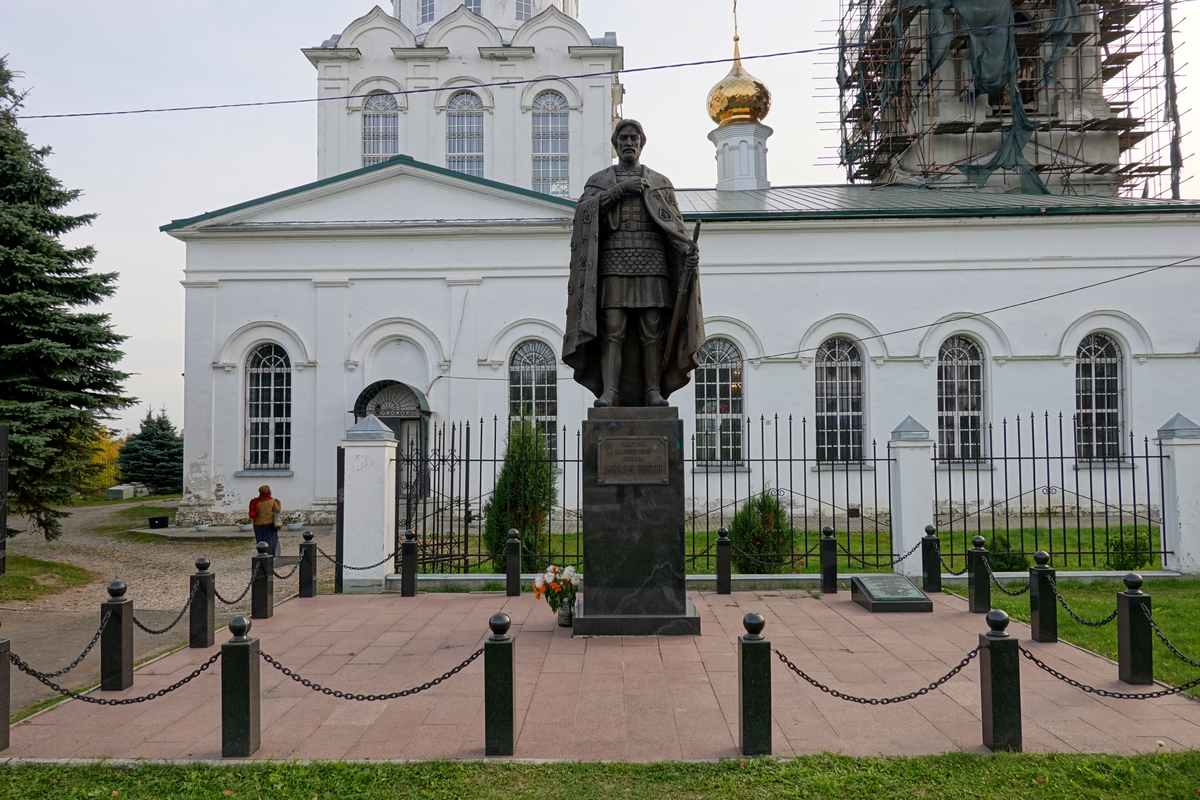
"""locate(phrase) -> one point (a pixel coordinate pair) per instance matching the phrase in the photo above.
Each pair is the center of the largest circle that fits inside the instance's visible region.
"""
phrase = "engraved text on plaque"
(632, 460)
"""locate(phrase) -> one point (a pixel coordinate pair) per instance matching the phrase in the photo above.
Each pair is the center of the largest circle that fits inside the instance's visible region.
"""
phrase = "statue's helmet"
(628, 123)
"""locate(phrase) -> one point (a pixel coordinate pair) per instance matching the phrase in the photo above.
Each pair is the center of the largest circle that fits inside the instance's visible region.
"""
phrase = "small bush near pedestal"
(1002, 558)
(523, 498)
(1133, 551)
(761, 536)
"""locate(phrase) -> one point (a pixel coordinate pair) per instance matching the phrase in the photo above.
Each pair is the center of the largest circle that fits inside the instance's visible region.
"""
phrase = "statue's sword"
(681, 300)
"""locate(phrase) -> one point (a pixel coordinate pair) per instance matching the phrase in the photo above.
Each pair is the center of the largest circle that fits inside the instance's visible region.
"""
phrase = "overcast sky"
(141, 171)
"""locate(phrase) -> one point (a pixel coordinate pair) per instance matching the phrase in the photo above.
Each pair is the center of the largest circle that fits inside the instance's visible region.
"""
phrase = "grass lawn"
(30, 578)
(1176, 610)
(81, 502)
(953, 777)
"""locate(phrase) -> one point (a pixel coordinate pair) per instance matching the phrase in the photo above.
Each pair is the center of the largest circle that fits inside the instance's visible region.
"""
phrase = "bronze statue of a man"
(634, 321)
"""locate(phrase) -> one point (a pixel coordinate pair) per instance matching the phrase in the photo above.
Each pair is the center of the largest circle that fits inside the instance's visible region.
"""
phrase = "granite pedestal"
(633, 501)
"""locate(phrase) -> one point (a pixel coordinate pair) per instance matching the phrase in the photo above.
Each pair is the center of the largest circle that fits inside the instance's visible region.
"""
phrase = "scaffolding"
(1060, 96)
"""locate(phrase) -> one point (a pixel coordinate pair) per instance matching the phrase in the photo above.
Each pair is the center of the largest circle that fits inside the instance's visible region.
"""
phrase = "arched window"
(524, 9)
(720, 402)
(551, 144)
(474, 6)
(533, 389)
(464, 134)
(839, 401)
(268, 408)
(427, 11)
(960, 399)
(1098, 397)
(381, 128)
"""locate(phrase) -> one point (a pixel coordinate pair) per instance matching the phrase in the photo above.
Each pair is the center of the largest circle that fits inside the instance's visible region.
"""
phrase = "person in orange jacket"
(264, 513)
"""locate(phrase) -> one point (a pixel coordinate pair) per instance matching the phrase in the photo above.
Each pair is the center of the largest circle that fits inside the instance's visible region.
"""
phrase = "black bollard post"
(408, 565)
(262, 588)
(499, 688)
(979, 585)
(754, 688)
(5, 693)
(1043, 606)
(116, 642)
(1000, 685)
(724, 562)
(931, 560)
(512, 563)
(1135, 641)
(202, 621)
(308, 566)
(241, 710)
(828, 562)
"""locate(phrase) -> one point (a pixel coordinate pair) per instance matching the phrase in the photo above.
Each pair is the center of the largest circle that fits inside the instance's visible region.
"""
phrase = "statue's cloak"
(584, 337)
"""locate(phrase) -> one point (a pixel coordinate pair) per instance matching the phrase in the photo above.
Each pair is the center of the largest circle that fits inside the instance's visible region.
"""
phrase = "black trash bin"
(157, 523)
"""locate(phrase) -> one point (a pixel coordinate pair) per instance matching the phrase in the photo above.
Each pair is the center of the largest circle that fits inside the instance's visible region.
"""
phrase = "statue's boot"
(610, 372)
(652, 363)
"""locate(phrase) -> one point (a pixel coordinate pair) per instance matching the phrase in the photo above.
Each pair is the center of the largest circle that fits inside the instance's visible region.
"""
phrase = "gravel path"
(157, 572)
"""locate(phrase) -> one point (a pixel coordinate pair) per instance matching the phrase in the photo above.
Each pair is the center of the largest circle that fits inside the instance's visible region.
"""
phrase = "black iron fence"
(447, 475)
(1030, 488)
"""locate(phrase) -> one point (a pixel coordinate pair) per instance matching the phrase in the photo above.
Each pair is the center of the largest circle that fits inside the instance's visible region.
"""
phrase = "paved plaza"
(635, 699)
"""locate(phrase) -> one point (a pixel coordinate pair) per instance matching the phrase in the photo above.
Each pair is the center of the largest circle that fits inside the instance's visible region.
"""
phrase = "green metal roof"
(864, 201)
(345, 176)
(839, 201)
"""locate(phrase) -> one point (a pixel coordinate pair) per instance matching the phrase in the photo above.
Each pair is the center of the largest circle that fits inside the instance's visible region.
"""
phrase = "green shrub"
(1131, 552)
(762, 540)
(1002, 557)
(523, 497)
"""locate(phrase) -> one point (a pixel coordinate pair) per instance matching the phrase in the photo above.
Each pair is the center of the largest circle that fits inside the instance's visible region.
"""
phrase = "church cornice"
(617, 54)
(316, 55)
(506, 53)
(420, 53)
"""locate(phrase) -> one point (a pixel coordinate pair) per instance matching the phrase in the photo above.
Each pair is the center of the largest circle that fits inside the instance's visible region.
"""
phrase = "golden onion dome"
(739, 97)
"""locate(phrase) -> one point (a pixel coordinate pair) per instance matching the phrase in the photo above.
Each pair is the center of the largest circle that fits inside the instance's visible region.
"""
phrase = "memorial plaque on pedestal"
(633, 503)
(881, 593)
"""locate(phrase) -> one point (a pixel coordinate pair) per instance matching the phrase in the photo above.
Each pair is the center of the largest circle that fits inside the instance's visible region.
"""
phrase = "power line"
(525, 81)
(926, 326)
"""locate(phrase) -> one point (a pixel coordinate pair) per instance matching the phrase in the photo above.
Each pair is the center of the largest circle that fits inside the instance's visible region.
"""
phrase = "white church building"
(422, 276)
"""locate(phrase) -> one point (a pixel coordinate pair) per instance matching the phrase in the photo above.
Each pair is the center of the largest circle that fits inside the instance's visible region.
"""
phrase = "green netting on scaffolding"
(990, 26)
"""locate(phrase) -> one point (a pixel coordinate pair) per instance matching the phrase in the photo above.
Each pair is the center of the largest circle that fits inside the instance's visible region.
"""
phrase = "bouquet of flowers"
(559, 586)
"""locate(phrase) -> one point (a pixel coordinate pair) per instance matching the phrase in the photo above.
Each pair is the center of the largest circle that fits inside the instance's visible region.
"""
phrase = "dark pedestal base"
(883, 593)
(685, 624)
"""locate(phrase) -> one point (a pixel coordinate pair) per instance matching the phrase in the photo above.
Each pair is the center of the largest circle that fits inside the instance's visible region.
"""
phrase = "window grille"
(839, 401)
(533, 389)
(464, 134)
(524, 9)
(381, 128)
(960, 399)
(720, 402)
(474, 6)
(427, 11)
(268, 408)
(1098, 398)
(551, 144)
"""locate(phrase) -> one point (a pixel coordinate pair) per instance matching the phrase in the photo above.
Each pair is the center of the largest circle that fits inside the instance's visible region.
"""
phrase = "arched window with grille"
(960, 399)
(839, 401)
(524, 10)
(381, 128)
(474, 6)
(720, 402)
(533, 389)
(464, 134)
(268, 408)
(551, 144)
(1099, 397)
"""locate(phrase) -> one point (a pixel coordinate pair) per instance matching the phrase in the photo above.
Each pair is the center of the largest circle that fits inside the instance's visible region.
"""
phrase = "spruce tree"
(58, 375)
(154, 455)
(523, 499)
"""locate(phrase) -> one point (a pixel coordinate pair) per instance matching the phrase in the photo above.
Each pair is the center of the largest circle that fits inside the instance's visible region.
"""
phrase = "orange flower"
(556, 586)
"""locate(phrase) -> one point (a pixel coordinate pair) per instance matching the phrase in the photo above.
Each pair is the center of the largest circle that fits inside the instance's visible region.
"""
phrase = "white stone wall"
(442, 308)
(379, 52)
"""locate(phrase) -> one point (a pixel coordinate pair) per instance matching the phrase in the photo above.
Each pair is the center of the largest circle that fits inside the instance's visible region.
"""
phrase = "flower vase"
(566, 615)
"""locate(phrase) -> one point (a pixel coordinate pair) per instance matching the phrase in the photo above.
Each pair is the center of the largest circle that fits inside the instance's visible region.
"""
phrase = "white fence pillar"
(912, 491)
(1180, 439)
(370, 503)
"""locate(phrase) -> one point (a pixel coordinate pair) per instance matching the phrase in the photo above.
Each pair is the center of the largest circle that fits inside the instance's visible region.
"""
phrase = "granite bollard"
(116, 642)
(754, 688)
(499, 688)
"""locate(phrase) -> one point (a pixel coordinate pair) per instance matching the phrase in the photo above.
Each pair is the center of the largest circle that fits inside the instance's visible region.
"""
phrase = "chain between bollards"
(878, 701)
(82, 655)
(992, 574)
(20, 664)
(1070, 611)
(1083, 687)
(1167, 643)
(336, 563)
(370, 698)
(160, 631)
